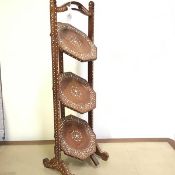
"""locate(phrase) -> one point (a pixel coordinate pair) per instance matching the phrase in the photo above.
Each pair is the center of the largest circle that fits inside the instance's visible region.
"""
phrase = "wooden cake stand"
(73, 136)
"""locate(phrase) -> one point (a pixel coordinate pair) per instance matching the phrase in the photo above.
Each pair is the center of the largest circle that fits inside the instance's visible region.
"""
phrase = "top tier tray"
(76, 43)
(76, 93)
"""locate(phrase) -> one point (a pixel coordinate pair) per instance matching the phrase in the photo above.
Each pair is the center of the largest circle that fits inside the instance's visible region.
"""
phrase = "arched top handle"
(79, 8)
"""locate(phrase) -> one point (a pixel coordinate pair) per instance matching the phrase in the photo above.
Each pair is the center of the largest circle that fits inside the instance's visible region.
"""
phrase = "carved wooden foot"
(57, 165)
(104, 155)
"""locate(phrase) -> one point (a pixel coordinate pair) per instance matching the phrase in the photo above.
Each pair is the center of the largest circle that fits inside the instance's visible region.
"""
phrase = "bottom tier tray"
(77, 138)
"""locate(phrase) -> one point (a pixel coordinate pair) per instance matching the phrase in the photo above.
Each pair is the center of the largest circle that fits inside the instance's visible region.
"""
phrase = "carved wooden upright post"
(90, 63)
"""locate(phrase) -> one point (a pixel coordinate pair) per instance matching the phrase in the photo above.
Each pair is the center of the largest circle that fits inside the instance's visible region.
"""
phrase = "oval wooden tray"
(77, 138)
(76, 93)
(75, 43)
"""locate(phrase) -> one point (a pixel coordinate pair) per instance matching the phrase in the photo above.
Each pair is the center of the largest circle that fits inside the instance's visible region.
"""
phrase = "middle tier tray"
(76, 93)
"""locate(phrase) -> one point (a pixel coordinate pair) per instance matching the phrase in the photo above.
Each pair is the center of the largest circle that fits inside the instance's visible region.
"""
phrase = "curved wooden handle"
(79, 8)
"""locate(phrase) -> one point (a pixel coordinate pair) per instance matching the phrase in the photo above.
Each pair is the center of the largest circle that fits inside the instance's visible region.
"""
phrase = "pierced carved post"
(55, 73)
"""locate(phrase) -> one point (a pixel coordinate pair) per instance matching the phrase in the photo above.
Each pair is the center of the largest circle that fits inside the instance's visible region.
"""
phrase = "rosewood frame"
(57, 68)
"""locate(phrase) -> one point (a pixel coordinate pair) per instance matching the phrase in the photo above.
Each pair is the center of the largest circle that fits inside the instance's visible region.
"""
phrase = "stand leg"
(94, 159)
(104, 155)
(57, 165)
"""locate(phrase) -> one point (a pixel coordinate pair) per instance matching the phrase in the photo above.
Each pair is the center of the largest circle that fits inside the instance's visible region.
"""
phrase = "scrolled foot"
(46, 163)
(104, 155)
(57, 165)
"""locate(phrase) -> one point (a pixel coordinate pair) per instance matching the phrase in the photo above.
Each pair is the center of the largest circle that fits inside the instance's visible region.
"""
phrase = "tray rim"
(73, 54)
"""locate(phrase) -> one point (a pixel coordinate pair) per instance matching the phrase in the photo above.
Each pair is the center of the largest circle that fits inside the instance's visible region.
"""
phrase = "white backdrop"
(134, 74)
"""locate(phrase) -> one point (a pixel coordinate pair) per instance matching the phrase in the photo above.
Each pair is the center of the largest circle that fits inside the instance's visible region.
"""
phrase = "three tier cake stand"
(73, 136)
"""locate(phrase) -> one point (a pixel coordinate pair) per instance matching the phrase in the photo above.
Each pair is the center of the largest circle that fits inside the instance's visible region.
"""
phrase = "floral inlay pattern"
(75, 91)
(76, 135)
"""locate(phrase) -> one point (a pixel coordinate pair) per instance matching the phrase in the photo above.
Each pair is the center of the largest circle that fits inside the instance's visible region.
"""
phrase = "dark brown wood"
(62, 112)
(57, 67)
(55, 72)
(90, 63)
(99, 152)
(103, 154)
